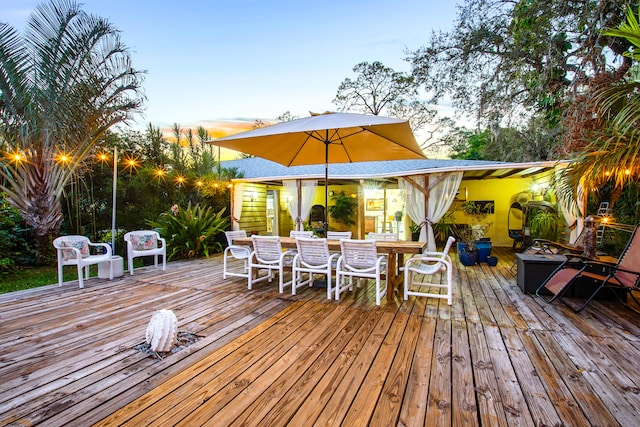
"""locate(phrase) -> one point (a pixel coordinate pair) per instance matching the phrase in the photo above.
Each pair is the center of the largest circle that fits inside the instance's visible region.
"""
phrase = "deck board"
(495, 357)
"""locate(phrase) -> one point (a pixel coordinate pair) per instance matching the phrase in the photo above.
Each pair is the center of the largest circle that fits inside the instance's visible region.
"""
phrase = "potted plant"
(479, 226)
(445, 227)
(344, 209)
(415, 232)
(467, 252)
(544, 225)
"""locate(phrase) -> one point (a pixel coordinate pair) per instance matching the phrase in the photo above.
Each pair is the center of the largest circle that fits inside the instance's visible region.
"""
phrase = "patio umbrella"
(328, 138)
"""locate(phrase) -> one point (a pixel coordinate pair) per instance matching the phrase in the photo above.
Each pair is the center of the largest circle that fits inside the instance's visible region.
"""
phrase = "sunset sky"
(230, 62)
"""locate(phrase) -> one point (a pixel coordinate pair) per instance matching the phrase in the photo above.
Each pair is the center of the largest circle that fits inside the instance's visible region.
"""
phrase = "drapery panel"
(300, 213)
(441, 197)
(238, 195)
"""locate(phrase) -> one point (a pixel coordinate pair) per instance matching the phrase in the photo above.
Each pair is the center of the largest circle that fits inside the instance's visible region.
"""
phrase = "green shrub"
(190, 232)
(14, 241)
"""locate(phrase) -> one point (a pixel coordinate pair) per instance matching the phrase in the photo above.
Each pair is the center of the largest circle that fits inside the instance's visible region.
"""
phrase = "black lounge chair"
(624, 276)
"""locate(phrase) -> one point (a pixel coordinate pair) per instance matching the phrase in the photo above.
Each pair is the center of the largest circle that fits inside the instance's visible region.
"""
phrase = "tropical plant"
(344, 209)
(62, 85)
(190, 232)
(544, 225)
(445, 227)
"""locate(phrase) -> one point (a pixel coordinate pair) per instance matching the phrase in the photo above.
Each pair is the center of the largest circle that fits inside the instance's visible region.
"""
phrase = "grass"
(27, 277)
(22, 278)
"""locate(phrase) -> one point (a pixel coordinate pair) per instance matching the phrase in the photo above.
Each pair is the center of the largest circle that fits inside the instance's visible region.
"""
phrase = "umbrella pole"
(326, 185)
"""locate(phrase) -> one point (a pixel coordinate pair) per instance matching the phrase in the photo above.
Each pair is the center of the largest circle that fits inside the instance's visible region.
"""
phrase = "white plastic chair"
(390, 237)
(237, 252)
(428, 264)
(300, 233)
(360, 259)
(145, 243)
(338, 235)
(75, 250)
(268, 255)
(313, 257)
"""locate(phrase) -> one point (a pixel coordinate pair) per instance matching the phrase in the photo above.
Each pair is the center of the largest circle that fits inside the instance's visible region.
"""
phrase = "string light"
(160, 173)
(63, 158)
(17, 158)
(131, 163)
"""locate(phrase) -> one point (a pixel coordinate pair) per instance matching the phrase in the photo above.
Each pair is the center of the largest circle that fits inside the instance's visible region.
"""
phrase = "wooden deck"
(495, 357)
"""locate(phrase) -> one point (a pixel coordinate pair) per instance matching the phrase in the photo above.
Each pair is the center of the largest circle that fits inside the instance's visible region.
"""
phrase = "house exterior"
(264, 203)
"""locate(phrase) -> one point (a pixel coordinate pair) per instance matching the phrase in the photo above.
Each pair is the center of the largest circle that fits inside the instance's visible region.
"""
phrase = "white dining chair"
(235, 252)
(268, 255)
(338, 235)
(313, 257)
(359, 259)
(430, 264)
(390, 237)
(300, 233)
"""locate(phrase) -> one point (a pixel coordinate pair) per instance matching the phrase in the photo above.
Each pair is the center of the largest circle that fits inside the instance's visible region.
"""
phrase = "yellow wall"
(254, 211)
(502, 192)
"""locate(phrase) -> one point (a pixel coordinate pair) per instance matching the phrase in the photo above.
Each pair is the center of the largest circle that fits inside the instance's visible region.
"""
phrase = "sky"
(218, 63)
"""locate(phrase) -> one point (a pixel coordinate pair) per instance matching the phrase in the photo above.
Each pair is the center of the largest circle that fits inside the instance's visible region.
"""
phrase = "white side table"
(118, 267)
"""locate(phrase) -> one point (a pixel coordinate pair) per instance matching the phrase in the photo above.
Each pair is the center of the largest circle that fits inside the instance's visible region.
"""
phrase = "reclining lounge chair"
(623, 276)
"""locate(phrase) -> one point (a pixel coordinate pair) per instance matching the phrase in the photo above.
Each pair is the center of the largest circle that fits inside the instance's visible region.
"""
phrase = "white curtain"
(308, 194)
(300, 214)
(238, 193)
(440, 200)
(415, 202)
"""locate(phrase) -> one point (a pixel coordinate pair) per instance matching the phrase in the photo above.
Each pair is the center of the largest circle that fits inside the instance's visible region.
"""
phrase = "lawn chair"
(142, 243)
(623, 276)
(75, 250)
(313, 257)
(428, 264)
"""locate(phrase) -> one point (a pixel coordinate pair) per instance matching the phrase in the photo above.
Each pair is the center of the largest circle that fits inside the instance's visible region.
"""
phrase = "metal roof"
(256, 169)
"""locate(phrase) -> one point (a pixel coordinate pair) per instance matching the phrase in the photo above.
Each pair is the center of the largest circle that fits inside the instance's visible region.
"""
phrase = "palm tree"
(63, 83)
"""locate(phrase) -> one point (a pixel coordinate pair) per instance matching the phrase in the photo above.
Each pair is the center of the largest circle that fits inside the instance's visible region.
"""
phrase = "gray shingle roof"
(256, 169)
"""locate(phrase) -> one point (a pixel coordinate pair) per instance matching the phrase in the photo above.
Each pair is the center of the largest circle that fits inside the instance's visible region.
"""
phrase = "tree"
(380, 90)
(208, 160)
(612, 146)
(287, 116)
(505, 61)
(63, 84)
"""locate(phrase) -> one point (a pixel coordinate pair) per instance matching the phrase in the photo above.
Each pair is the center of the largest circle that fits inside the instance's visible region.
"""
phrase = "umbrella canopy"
(328, 138)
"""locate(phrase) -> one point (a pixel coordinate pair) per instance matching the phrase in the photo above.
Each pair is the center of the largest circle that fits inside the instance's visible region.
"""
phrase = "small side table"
(533, 269)
(118, 267)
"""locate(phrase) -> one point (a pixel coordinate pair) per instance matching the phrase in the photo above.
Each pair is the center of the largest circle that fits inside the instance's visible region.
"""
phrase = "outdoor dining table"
(396, 251)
